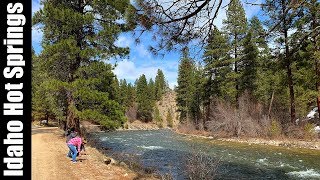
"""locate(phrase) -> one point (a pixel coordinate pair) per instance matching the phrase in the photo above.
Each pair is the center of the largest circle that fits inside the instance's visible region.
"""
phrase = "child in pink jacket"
(74, 145)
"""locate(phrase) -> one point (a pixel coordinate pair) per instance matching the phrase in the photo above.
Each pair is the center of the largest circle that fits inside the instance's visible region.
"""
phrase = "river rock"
(107, 161)
(123, 164)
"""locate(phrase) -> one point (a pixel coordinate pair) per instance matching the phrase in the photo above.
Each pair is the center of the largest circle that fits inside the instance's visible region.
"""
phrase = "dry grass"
(201, 166)
(189, 128)
(248, 120)
(131, 113)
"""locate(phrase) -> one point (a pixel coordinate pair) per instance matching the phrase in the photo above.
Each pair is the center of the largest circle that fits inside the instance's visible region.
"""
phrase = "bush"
(293, 131)
(309, 132)
(158, 118)
(200, 166)
(169, 118)
(275, 129)
(248, 120)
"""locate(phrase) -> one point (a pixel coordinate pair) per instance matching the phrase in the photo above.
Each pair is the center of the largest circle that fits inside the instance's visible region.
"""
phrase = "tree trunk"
(270, 106)
(72, 120)
(208, 114)
(288, 65)
(315, 40)
(236, 71)
(317, 64)
(291, 91)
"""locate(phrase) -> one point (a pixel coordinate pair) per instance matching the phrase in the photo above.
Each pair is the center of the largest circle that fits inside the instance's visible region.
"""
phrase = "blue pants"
(73, 152)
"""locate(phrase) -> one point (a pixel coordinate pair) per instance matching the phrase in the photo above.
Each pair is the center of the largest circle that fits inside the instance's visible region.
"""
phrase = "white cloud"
(128, 70)
(142, 51)
(124, 41)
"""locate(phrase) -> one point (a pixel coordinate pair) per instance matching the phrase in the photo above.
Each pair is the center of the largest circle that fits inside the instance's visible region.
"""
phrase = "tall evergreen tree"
(282, 19)
(257, 33)
(124, 93)
(77, 32)
(48, 95)
(248, 65)
(93, 95)
(185, 86)
(152, 90)
(197, 95)
(313, 7)
(131, 95)
(145, 108)
(217, 66)
(115, 90)
(160, 84)
(236, 28)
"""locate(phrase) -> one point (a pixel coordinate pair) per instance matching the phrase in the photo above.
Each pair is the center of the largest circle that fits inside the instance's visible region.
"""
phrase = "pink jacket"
(76, 141)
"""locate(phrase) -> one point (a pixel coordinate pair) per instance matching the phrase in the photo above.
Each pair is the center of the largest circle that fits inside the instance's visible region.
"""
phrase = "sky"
(140, 60)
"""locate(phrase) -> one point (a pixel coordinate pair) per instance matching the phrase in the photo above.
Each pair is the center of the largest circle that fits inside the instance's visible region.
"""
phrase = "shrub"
(275, 129)
(200, 166)
(169, 118)
(309, 132)
(247, 120)
(158, 118)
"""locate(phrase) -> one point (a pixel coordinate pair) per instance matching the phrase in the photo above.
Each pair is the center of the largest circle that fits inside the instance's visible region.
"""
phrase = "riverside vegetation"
(252, 78)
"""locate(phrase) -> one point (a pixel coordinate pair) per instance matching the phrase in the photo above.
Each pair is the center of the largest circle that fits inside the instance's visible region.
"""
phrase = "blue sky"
(140, 60)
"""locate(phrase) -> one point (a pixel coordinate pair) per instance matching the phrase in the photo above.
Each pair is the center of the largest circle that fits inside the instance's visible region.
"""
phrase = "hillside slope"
(168, 102)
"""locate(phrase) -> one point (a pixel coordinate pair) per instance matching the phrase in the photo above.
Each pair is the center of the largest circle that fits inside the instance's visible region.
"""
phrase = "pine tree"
(248, 65)
(257, 33)
(93, 95)
(217, 70)
(236, 28)
(314, 15)
(131, 95)
(185, 86)
(160, 84)
(281, 21)
(47, 94)
(268, 77)
(152, 90)
(124, 93)
(145, 106)
(77, 32)
(217, 64)
(197, 95)
(157, 117)
(169, 118)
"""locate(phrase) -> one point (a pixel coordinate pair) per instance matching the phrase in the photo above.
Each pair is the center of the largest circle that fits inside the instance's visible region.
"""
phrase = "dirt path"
(49, 161)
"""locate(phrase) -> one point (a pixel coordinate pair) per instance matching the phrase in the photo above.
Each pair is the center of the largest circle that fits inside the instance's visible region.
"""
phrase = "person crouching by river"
(74, 145)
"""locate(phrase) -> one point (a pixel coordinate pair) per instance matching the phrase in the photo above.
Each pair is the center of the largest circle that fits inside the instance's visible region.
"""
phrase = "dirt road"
(49, 161)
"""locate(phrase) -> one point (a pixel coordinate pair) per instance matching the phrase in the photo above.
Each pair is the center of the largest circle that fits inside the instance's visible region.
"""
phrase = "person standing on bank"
(74, 145)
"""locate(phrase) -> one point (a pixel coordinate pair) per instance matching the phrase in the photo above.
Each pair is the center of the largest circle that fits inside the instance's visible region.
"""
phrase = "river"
(168, 152)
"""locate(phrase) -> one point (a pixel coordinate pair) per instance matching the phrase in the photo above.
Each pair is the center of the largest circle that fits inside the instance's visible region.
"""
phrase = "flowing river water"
(168, 151)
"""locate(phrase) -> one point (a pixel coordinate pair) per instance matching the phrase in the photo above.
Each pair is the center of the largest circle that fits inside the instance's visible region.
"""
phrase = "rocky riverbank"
(314, 144)
(277, 142)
